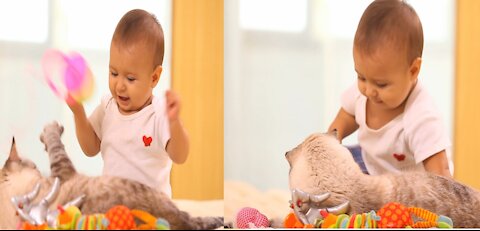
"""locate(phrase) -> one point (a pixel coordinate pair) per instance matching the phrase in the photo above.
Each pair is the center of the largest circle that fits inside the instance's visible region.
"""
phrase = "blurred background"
(29, 28)
(286, 64)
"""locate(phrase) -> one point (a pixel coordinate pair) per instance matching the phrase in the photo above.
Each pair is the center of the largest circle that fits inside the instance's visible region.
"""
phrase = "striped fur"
(321, 164)
(102, 192)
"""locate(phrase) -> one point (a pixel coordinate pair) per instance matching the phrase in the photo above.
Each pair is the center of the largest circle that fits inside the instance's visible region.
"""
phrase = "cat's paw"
(51, 129)
(213, 222)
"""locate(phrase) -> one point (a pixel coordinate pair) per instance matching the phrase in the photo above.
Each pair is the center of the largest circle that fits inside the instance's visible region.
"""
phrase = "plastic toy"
(432, 220)
(71, 218)
(291, 221)
(39, 214)
(150, 221)
(343, 221)
(307, 206)
(68, 76)
(384, 219)
(396, 215)
(118, 217)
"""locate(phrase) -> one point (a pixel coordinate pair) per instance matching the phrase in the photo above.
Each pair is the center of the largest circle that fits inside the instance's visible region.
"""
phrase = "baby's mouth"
(124, 99)
(377, 101)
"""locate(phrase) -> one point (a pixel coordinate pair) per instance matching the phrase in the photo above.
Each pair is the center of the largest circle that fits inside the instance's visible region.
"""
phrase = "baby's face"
(385, 78)
(131, 78)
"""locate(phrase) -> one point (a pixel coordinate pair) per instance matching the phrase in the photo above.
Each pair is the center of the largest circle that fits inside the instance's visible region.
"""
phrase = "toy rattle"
(39, 214)
(307, 206)
(68, 76)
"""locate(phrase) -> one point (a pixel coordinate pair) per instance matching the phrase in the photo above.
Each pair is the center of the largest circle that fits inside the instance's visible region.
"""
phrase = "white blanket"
(272, 203)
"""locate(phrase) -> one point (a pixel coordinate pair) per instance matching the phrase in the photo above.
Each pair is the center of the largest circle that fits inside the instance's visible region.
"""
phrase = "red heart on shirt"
(399, 157)
(147, 140)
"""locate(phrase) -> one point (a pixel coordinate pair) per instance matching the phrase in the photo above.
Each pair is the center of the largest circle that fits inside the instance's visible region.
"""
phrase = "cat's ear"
(13, 152)
(333, 132)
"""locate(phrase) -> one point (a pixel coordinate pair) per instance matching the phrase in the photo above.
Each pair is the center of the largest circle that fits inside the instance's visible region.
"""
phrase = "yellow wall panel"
(197, 75)
(467, 94)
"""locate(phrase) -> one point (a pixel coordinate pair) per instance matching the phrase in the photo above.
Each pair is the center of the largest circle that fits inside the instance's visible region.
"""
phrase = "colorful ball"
(162, 224)
(251, 218)
(120, 217)
(394, 215)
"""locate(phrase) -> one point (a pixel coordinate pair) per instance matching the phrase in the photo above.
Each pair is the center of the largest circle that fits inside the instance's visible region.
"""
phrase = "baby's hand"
(173, 106)
(73, 104)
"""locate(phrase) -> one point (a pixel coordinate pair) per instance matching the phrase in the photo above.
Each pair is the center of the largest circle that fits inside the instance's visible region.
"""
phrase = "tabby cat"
(321, 164)
(18, 177)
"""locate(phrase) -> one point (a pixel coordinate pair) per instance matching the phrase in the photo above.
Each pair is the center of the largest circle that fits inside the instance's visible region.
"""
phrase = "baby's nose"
(370, 91)
(120, 86)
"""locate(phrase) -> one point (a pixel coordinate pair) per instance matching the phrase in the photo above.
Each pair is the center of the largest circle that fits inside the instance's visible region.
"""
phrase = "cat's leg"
(60, 164)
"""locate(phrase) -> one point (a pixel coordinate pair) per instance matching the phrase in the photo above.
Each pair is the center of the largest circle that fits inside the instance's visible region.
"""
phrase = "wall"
(467, 107)
(197, 75)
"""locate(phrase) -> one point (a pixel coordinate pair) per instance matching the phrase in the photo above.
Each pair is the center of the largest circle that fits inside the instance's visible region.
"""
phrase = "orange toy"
(394, 215)
(27, 226)
(291, 221)
(120, 217)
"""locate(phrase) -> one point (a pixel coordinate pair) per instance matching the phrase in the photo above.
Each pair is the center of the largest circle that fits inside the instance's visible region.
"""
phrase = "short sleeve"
(161, 120)
(98, 114)
(426, 134)
(349, 98)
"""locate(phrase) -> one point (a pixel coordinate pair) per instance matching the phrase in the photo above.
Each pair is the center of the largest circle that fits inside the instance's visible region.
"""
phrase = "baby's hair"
(141, 26)
(390, 23)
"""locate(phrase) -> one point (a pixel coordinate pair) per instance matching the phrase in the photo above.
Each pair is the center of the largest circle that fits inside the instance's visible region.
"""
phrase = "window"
(85, 27)
(284, 84)
(24, 24)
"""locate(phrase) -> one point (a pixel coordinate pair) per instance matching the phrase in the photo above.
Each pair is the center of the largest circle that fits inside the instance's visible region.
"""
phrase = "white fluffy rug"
(272, 203)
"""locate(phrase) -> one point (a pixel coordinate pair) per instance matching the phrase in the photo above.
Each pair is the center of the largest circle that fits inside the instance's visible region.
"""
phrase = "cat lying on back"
(321, 164)
(18, 177)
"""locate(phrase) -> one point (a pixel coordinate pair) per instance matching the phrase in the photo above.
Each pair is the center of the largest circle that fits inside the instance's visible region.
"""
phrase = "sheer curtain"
(27, 30)
(286, 64)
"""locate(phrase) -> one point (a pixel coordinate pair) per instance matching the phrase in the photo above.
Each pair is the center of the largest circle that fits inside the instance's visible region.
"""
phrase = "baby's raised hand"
(173, 105)
(75, 106)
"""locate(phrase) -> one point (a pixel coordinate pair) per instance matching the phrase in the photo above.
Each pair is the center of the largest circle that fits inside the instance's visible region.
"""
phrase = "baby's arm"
(438, 164)
(178, 145)
(344, 123)
(86, 136)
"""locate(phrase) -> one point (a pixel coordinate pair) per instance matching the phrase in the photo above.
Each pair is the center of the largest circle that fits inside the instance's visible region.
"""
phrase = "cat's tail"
(181, 220)
(135, 195)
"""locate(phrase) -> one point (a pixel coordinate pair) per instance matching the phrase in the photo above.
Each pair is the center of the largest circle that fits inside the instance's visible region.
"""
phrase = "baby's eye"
(130, 79)
(381, 85)
(360, 78)
(114, 74)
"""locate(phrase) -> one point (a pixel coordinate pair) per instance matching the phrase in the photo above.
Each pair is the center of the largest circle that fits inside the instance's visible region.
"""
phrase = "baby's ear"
(156, 75)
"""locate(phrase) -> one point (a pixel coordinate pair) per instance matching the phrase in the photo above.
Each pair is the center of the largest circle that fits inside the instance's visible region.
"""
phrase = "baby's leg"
(356, 151)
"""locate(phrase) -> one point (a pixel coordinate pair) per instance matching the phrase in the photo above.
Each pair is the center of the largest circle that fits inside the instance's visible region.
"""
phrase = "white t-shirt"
(133, 146)
(404, 142)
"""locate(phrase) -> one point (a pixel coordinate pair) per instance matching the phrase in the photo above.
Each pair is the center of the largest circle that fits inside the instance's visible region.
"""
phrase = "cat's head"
(18, 171)
(318, 162)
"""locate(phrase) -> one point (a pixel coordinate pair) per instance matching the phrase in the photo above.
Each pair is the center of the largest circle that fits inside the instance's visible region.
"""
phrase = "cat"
(18, 177)
(321, 164)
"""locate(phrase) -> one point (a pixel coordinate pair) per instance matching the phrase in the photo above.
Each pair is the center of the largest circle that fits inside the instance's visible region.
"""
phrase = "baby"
(138, 134)
(399, 126)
